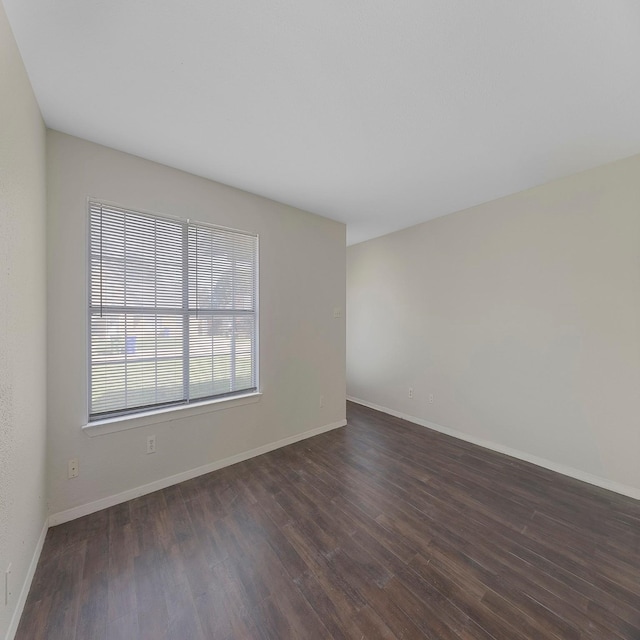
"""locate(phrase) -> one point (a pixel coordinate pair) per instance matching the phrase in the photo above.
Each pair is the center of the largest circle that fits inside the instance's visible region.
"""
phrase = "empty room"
(319, 320)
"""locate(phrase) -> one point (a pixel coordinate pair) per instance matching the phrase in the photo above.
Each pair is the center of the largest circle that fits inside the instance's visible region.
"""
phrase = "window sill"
(123, 423)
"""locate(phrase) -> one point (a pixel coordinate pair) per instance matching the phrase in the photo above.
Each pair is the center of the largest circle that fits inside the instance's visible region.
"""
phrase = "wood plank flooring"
(382, 529)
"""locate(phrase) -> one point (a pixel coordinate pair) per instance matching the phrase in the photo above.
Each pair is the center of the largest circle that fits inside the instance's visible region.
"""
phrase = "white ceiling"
(378, 114)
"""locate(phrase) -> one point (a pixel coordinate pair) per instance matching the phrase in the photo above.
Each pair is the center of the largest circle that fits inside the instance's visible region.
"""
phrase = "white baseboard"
(603, 483)
(110, 501)
(24, 592)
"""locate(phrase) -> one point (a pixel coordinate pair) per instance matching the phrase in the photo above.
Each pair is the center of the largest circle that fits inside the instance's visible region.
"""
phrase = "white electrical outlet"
(431, 398)
(411, 392)
(151, 444)
(337, 312)
(73, 469)
(7, 585)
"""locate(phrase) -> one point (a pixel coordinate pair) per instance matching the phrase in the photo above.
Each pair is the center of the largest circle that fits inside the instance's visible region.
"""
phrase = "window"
(172, 311)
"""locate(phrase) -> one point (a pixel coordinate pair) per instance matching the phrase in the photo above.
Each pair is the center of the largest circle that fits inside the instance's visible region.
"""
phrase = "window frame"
(162, 412)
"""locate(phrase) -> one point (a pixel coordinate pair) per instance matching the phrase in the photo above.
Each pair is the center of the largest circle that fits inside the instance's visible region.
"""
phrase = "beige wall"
(302, 346)
(521, 316)
(22, 324)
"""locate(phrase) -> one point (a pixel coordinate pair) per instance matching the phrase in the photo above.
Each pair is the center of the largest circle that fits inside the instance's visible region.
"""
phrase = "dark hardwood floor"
(382, 529)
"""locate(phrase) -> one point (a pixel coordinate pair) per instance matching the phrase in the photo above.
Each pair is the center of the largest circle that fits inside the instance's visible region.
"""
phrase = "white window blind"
(172, 311)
